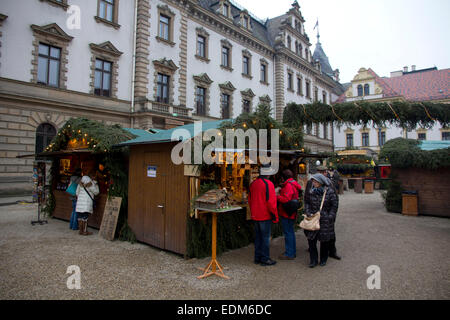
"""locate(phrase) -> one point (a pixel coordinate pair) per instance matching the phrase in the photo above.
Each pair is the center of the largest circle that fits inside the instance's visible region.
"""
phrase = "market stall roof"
(139, 133)
(166, 135)
(434, 145)
(353, 153)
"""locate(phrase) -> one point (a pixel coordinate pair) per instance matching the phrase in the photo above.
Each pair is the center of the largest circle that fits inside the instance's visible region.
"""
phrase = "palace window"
(288, 42)
(49, 62)
(226, 57)
(366, 89)
(225, 106)
(349, 139)
(299, 86)
(103, 70)
(246, 64)
(263, 71)
(289, 81)
(365, 139)
(445, 135)
(422, 136)
(360, 90)
(381, 138)
(164, 27)
(106, 10)
(308, 89)
(201, 101)
(162, 91)
(246, 106)
(44, 135)
(201, 46)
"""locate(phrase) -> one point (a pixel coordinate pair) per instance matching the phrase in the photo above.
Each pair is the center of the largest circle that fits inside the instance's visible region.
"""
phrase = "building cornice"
(68, 101)
(223, 26)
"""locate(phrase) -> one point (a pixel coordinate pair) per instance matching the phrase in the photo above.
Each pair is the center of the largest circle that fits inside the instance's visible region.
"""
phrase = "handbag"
(312, 223)
(72, 189)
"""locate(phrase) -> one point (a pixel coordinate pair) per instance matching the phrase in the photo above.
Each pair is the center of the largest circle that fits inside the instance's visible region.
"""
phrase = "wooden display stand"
(214, 264)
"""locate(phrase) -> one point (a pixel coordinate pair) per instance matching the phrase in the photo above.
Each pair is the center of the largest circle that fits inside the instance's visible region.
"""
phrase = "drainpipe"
(133, 79)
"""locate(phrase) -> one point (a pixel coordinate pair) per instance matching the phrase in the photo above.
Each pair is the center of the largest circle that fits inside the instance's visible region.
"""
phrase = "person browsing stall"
(289, 192)
(86, 191)
(262, 201)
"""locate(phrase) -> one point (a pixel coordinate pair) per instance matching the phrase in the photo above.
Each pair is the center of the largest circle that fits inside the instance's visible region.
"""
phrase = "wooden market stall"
(87, 145)
(161, 193)
(421, 177)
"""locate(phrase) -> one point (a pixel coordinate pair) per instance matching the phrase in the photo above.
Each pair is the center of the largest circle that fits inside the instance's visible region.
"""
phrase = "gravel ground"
(413, 254)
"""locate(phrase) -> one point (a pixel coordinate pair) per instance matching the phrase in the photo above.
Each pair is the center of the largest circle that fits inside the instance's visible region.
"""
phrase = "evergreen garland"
(400, 113)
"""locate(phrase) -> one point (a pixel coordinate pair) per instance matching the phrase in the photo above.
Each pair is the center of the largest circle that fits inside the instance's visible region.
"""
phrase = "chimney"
(405, 69)
(413, 67)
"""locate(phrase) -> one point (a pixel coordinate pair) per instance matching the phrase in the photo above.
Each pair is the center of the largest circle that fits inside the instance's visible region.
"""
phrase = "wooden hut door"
(155, 202)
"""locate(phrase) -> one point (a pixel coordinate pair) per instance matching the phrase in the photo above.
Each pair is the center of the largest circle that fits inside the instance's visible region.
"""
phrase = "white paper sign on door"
(151, 171)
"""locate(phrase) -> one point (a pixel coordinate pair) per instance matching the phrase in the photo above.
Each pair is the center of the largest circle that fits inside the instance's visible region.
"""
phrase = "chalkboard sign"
(110, 216)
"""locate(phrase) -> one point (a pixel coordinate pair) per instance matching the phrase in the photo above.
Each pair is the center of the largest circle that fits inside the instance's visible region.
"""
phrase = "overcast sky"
(384, 35)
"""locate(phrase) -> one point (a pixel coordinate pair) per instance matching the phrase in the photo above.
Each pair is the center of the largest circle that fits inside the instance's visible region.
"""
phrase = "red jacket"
(261, 209)
(288, 192)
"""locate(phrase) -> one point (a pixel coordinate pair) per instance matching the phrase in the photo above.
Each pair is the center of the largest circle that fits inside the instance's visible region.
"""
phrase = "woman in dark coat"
(313, 198)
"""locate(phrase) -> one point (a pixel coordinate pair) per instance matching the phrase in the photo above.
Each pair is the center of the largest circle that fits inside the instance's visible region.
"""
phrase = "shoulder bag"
(313, 223)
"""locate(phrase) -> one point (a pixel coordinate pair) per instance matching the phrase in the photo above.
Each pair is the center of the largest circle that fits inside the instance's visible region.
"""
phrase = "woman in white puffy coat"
(86, 191)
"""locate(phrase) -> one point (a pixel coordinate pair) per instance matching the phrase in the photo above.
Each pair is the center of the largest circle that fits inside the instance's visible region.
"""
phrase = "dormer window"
(245, 20)
(226, 10)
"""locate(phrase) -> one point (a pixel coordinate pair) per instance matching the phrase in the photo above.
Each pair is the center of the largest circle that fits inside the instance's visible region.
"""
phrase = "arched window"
(289, 42)
(300, 49)
(44, 135)
(296, 47)
(360, 90)
(366, 89)
(306, 53)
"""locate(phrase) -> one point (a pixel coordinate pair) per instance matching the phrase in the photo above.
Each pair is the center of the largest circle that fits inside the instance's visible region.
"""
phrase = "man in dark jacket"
(263, 206)
(289, 191)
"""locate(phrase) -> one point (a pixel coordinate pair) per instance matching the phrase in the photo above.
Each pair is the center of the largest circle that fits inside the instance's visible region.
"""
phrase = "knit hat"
(320, 178)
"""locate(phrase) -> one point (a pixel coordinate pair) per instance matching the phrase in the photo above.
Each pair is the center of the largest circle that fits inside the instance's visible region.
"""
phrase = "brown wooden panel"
(63, 205)
(63, 208)
(135, 204)
(177, 204)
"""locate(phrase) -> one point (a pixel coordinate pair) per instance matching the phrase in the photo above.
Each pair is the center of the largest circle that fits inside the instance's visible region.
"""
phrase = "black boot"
(312, 264)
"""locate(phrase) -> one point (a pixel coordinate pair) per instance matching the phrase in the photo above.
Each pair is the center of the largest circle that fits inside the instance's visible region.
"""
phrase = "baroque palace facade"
(414, 85)
(147, 64)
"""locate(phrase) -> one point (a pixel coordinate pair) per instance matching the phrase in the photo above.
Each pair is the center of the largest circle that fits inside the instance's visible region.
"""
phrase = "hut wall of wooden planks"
(433, 187)
(158, 197)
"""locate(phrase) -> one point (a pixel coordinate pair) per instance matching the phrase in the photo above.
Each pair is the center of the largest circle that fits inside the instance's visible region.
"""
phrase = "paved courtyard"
(413, 254)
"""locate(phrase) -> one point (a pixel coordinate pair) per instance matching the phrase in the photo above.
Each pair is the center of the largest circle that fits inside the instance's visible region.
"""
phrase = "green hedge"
(405, 153)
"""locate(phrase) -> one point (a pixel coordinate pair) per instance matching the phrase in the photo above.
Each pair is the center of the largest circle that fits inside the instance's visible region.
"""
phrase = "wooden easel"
(214, 266)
